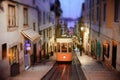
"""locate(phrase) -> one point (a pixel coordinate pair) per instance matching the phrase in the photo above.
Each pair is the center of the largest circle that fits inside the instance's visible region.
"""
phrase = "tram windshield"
(64, 47)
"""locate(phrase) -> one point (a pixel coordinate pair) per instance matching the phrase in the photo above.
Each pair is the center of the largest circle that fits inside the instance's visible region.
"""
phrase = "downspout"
(99, 19)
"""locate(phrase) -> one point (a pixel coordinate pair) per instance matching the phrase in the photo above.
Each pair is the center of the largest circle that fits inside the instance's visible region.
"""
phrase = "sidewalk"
(94, 70)
(36, 72)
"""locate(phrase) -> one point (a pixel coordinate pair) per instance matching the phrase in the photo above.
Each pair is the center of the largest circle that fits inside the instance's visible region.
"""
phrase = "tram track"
(66, 71)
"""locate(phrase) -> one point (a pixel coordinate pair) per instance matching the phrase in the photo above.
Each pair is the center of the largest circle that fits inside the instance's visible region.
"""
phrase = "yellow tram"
(64, 49)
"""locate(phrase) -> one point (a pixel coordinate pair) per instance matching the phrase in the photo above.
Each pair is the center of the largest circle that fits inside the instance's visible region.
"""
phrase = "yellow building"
(102, 17)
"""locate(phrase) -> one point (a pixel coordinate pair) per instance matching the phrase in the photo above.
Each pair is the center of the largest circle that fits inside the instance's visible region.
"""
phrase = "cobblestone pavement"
(94, 70)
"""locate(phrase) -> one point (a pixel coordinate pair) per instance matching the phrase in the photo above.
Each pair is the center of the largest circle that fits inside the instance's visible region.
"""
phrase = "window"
(50, 32)
(13, 55)
(39, 18)
(117, 10)
(98, 1)
(58, 47)
(43, 34)
(49, 19)
(43, 17)
(43, 0)
(104, 11)
(97, 14)
(92, 3)
(69, 47)
(47, 30)
(34, 1)
(92, 15)
(25, 12)
(34, 26)
(11, 16)
(64, 47)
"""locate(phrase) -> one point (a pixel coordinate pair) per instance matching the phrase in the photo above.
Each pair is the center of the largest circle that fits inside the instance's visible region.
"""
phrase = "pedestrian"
(80, 49)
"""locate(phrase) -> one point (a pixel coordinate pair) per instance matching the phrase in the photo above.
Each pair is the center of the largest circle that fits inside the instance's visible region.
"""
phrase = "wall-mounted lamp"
(82, 28)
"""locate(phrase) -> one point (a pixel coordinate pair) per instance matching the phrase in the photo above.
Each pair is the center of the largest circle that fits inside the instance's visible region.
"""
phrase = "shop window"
(13, 55)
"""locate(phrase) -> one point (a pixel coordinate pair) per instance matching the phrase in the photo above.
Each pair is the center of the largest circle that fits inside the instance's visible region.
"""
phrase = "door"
(4, 51)
(27, 48)
(34, 53)
(114, 51)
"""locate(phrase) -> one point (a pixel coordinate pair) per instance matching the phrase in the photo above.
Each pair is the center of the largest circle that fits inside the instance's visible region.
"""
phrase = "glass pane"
(64, 47)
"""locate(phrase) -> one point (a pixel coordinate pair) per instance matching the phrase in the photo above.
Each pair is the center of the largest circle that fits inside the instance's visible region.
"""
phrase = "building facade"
(46, 29)
(102, 19)
(24, 26)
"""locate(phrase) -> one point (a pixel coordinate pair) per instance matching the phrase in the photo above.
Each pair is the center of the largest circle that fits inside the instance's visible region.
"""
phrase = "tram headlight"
(64, 57)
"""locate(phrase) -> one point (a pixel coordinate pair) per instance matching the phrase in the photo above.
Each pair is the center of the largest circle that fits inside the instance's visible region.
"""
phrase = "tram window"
(69, 47)
(58, 47)
(64, 47)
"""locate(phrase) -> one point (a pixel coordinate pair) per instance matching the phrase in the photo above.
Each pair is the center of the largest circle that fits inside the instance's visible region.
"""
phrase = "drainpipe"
(99, 19)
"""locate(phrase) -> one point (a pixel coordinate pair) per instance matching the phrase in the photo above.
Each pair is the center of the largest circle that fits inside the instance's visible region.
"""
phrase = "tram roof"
(64, 40)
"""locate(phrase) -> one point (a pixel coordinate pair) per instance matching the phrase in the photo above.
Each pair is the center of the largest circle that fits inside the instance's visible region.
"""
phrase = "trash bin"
(14, 69)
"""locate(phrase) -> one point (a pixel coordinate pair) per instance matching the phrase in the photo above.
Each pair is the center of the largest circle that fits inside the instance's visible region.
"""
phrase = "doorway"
(27, 49)
(34, 53)
(4, 51)
(114, 53)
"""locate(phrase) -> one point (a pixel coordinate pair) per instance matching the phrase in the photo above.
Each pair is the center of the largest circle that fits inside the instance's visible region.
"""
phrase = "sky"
(71, 9)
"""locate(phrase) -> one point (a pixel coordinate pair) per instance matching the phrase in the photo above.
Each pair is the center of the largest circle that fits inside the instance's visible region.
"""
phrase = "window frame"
(117, 11)
(12, 17)
(25, 16)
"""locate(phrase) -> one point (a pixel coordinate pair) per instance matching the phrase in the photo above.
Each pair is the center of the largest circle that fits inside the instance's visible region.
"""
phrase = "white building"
(46, 28)
(20, 23)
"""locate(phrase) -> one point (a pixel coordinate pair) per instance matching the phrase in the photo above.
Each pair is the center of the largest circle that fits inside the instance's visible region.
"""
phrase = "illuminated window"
(69, 47)
(13, 55)
(64, 47)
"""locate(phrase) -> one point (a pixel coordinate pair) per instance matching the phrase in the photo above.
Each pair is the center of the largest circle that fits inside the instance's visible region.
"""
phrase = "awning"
(31, 34)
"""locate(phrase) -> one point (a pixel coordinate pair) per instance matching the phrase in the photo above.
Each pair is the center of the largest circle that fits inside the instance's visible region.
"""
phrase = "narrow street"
(89, 68)
(37, 35)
